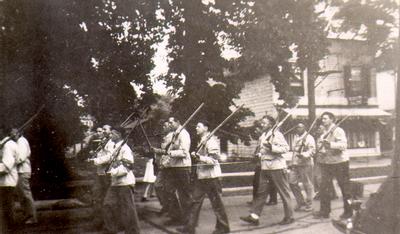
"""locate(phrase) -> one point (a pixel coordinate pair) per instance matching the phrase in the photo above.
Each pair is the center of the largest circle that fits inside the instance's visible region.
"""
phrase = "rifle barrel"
(216, 129)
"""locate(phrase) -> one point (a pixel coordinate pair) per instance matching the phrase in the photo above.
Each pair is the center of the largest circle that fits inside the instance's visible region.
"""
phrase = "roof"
(344, 111)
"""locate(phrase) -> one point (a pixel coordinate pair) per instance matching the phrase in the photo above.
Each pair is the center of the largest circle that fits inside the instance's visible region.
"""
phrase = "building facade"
(347, 87)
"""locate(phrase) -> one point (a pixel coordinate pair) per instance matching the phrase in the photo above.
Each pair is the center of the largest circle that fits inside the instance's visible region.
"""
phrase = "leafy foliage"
(372, 21)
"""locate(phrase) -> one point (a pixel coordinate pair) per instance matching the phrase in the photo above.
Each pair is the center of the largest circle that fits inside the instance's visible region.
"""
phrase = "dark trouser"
(178, 180)
(302, 174)
(279, 178)
(211, 188)
(6, 210)
(272, 193)
(25, 197)
(119, 208)
(168, 200)
(99, 190)
(317, 181)
(340, 171)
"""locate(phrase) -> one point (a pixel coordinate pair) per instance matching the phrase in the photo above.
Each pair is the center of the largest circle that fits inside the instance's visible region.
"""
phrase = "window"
(296, 82)
(360, 139)
(357, 84)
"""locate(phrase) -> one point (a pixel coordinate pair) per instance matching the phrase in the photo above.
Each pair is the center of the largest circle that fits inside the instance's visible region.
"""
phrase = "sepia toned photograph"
(199, 116)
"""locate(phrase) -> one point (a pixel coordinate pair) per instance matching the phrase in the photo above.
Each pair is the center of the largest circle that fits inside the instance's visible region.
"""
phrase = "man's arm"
(8, 160)
(23, 151)
(279, 144)
(126, 156)
(213, 152)
(340, 140)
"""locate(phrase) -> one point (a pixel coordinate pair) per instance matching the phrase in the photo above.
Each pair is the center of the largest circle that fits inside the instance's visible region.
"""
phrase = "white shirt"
(122, 175)
(272, 159)
(308, 149)
(23, 155)
(209, 156)
(8, 166)
(179, 151)
(104, 156)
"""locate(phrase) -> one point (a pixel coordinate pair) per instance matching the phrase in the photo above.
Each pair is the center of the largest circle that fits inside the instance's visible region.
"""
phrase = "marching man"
(272, 145)
(24, 176)
(207, 182)
(301, 168)
(119, 204)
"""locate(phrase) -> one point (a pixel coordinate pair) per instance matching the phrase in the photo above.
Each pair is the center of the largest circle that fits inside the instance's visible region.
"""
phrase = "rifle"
(179, 130)
(279, 124)
(101, 146)
(23, 125)
(325, 136)
(123, 124)
(303, 140)
(118, 150)
(203, 142)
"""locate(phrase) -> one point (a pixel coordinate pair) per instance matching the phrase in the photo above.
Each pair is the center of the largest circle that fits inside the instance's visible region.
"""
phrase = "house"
(349, 88)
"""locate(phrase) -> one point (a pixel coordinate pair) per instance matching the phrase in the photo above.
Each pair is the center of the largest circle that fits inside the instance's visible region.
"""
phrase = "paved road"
(75, 219)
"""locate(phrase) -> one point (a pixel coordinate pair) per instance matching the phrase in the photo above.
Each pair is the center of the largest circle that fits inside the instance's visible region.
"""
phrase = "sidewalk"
(236, 206)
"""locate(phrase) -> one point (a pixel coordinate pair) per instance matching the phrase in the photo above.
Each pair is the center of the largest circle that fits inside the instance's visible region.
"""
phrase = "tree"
(372, 21)
(195, 53)
(61, 53)
(266, 34)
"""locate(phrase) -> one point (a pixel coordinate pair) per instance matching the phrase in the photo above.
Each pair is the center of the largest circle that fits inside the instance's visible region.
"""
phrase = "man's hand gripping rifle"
(113, 162)
(276, 126)
(324, 138)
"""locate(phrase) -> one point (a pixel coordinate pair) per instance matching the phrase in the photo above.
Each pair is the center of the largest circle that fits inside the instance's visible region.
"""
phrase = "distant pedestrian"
(149, 178)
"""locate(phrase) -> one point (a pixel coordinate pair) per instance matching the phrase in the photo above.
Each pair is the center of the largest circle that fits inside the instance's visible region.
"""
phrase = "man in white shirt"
(102, 181)
(177, 166)
(334, 163)
(301, 168)
(272, 145)
(24, 175)
(8, 182)
(119, 204)
(207, 182)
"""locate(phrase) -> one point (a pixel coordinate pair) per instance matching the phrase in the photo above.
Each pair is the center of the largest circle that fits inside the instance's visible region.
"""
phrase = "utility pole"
(311, 94)
(396, 155)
